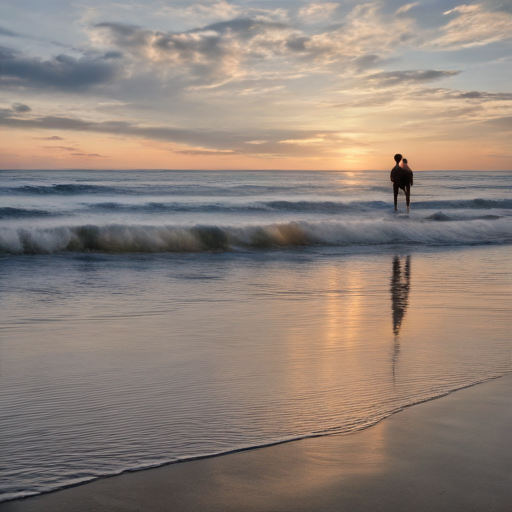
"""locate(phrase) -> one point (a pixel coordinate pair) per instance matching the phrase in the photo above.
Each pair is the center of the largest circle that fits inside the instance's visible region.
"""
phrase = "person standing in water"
(406, 167)
(402, 179)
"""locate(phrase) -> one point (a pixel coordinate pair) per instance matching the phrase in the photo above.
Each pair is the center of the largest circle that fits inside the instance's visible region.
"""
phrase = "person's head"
(405, 161)
(398, 157)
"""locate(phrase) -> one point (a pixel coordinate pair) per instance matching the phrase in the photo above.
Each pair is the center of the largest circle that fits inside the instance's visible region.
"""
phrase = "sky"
(248, 84)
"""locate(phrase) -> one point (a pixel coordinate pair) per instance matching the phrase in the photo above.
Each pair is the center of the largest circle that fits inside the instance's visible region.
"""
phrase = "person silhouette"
(405, 165)
(402, 178)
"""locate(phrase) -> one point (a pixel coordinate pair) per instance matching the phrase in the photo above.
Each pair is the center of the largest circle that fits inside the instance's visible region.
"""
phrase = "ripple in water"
(112, 363)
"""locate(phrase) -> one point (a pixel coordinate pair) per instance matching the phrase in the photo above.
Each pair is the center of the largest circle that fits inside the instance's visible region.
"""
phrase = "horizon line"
(245, 170)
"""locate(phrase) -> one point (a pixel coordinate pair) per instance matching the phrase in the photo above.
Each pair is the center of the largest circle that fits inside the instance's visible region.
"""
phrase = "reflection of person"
(400, 287)
(402, 179)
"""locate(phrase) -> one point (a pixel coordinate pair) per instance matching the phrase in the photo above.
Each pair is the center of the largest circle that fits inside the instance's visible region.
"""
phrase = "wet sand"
(449, 454)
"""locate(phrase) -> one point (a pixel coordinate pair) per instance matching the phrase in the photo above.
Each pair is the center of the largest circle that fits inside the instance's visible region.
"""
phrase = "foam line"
(133, 238)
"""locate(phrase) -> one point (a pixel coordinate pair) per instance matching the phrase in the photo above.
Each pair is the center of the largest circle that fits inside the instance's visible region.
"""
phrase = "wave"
(443, 217)
(323, 206)
(477, 204)
(16, 213)
(158, 189)
(300, 206)
(326, 207)
(281, 206)
(177, 207)
(61, 189)
(139, 238)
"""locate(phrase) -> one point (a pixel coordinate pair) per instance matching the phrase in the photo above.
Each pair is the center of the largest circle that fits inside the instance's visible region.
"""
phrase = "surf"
(142, 238)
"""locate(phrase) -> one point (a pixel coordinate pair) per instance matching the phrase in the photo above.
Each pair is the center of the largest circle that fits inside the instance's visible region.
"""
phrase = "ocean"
(150, 317)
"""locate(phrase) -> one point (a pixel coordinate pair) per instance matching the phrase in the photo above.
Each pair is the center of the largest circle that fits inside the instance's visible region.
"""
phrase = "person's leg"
(395, 195)
(407, 195)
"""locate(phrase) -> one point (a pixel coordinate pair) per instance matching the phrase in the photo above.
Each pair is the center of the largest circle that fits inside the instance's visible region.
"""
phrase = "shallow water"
(119, 361)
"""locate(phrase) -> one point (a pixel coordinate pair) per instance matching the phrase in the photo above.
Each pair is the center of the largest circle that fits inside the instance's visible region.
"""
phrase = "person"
(406, 167)
(402, 178)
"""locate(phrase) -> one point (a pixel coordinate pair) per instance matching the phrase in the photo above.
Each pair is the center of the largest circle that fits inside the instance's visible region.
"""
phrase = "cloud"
(7, 32)
(20, 108)
(406, 8)
(201, 54)
(259, 91)
(202, 142)
(60, 148)
(392, 78)
(315, 140)
(182, 47)
(317, 11)
(365, 31)
(367, 61)
(465, 9)
(507, 156)
(258, 47)
(368, 100)
(53, 137)
(438, 94)
(61, 73)
(205, 56)
(489, 96)
(91, 155)
(502, 123)
(205, 152)
(473, 25)
(113, 55)
(247, 27)
(298, 44)
(201, 12)
(212, 139)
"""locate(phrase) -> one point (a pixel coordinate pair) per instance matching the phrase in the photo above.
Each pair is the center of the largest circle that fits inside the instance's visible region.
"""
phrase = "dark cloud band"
(62, 72)
(218, 141)
(392, 78)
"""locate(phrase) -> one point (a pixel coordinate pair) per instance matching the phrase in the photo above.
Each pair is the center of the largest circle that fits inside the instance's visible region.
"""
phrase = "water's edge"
(331, 432)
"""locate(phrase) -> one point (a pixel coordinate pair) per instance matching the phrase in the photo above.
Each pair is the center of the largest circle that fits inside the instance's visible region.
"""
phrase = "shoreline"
(467, 410)
(256, 447)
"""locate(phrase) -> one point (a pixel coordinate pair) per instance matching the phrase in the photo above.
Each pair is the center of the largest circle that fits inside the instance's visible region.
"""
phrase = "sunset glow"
(255, 84)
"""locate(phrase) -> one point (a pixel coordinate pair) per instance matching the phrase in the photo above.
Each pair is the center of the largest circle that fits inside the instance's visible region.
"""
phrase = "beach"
(448, 454)
(255, 256)
(151, 318)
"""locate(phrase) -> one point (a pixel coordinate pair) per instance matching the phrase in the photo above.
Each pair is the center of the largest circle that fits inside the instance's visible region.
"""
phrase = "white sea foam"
(132, 238)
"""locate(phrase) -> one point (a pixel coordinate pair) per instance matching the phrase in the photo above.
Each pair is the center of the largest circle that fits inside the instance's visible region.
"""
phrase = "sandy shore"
(449, 454)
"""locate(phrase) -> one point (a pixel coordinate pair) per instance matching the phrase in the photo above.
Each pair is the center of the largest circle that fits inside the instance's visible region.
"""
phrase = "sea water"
(149, 317)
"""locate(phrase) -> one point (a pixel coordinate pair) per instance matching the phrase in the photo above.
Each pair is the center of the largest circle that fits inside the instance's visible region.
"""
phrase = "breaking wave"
(139, 238)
